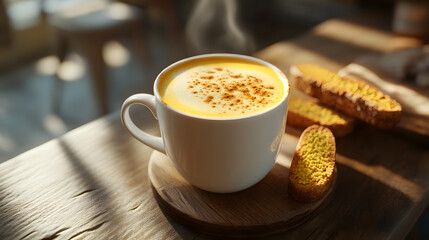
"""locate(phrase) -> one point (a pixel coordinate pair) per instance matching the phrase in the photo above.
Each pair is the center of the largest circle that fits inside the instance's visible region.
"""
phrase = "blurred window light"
(24, 14)
(47, 65)
(54, 125)
(7, 144)
(53, 6)
(72, 69)
(115, 54)
(119, 11)
(74, 8)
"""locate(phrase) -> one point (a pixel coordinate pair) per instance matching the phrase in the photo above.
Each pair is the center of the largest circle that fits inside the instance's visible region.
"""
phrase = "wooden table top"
(92, 183)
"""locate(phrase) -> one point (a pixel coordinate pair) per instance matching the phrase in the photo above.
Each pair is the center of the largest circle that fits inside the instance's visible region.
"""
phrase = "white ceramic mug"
(215, 154)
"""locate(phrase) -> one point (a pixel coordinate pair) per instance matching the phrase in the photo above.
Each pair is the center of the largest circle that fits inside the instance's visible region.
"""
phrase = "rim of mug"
(281, 75)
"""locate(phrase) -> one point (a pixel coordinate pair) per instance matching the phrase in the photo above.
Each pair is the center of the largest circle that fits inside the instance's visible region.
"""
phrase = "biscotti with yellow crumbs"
(313, 166)
(351, 96)
(303, 113)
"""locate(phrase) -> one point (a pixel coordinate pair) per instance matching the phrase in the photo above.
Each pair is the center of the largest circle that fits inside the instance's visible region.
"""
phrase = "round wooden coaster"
(260, 210)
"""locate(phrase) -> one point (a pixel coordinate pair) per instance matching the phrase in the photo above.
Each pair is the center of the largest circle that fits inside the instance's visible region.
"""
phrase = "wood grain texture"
(382, 188)
(264, 209)
(92, 183)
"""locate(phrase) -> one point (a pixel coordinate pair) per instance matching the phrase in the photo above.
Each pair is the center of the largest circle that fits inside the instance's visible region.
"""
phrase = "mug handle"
(148, 101)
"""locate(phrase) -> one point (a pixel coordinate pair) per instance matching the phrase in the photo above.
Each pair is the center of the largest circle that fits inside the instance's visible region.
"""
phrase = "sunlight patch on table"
(354, 34)
(54, 125)
(71, 69)
(7, 144)
(47, 65)
(276, 54)
(115, 54)
(413, 191)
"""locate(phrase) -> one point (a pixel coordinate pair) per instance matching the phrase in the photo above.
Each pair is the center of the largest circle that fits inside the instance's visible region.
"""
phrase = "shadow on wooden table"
(100, 198)
(133, 166)
(8, 214)
(383, 149)
(380, 171)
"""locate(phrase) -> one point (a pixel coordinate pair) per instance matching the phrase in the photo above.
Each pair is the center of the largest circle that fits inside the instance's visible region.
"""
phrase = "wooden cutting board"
(337, 45)
(266, 208)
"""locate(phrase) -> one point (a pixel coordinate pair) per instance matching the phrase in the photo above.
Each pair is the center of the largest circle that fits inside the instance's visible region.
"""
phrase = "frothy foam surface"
(221, 87)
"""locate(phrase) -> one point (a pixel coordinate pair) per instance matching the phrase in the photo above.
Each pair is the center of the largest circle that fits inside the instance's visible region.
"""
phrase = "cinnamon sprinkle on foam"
(244, 92)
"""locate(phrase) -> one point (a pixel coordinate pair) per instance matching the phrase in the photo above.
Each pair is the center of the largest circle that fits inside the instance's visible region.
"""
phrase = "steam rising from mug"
(213, 27)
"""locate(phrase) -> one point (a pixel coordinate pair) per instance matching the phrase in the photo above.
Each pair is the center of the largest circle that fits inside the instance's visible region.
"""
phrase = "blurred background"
(64, 63)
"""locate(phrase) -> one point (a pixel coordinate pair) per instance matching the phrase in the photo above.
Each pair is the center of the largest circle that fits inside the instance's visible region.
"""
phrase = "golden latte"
(221, 87)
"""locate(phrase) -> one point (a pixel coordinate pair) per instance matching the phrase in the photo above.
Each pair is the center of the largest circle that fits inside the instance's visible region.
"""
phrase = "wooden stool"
(90, 30)
(5, 32)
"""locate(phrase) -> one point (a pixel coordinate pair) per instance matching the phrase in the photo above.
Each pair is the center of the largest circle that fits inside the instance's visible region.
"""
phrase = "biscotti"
(353, 97)
(303, 113)
(313, 165)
